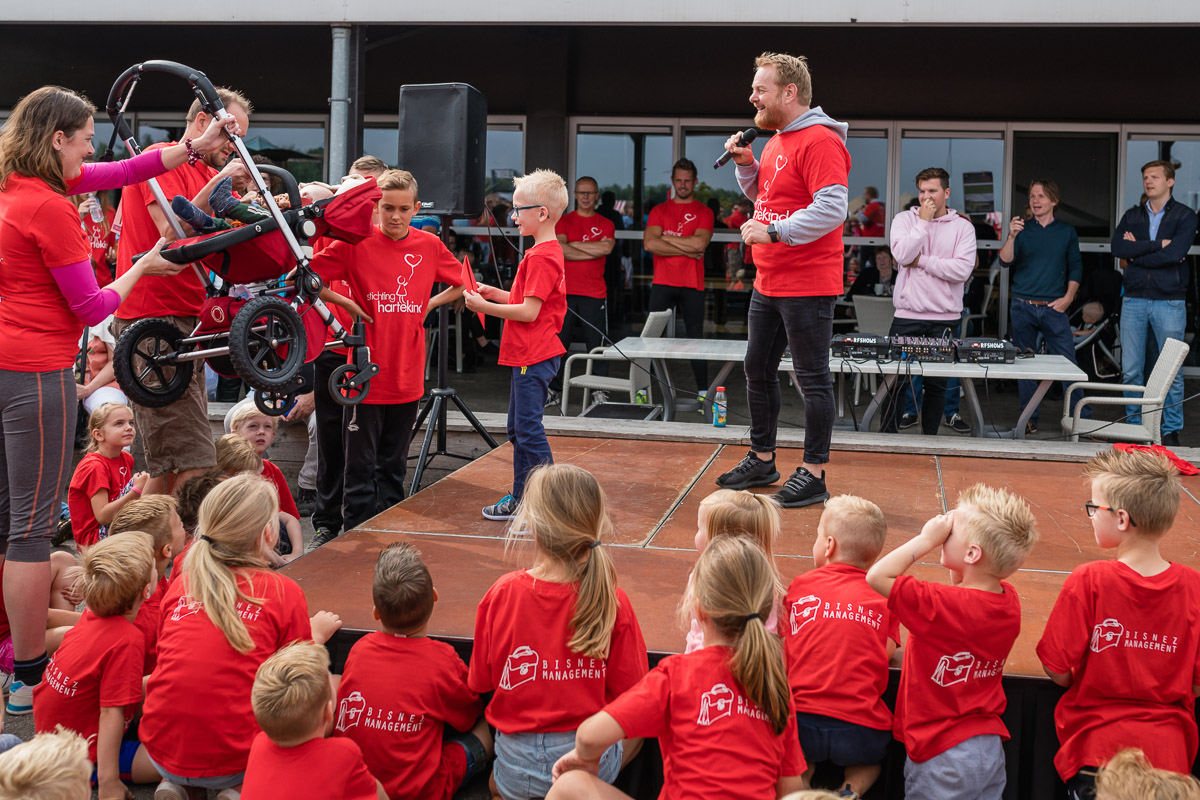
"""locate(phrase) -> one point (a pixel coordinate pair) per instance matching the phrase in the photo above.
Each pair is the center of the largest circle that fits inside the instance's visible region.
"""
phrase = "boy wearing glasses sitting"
(1123, 636)
(535, 308)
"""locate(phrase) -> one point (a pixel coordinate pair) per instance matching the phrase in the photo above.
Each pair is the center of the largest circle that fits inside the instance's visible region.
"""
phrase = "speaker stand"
(439, 403)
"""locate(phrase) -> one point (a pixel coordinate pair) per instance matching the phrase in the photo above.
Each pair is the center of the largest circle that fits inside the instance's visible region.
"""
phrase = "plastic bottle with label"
(720, 408)
(97, 211)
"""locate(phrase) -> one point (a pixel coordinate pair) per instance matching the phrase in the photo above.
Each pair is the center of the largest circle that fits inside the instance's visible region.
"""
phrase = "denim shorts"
(844, 743)
(524, 760)
(216, 783)
(124, 761)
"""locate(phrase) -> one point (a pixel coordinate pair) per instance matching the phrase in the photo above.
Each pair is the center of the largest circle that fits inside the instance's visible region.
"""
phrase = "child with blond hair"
(50, 766)
(838, 637)
(93, 684)
(104, 481)
(290, 757)
(558, 641)
(1128, 776)
(535, 307)
(1123, 636)
(237, 454)
(950, 699)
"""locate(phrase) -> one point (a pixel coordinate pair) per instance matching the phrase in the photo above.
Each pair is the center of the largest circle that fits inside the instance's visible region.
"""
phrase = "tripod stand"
(438, 403)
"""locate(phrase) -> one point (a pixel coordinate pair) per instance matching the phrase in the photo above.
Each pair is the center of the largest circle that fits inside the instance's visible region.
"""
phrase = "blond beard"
(768, 119)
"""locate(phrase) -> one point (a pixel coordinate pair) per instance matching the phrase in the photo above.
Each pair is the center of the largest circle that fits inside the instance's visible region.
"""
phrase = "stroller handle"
(201, 86)
(289, 182)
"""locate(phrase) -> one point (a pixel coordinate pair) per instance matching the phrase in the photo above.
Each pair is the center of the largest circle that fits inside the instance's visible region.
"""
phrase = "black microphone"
(748, 136)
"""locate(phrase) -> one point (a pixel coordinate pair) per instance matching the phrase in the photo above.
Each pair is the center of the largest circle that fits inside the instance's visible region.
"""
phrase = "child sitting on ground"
(236, 454)
(413, 759)
(155, 516)
(104, 481)
(723, 715)
(293, 704)
(1128, 776)
(50, 766)
(950, 699)
(557, 641)
(838, 639)
(1123, 635)
(93, 684)
(189, 496)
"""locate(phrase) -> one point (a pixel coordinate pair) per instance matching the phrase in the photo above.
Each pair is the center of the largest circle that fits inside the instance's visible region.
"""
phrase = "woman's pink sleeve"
(103, 175)
(77, 282)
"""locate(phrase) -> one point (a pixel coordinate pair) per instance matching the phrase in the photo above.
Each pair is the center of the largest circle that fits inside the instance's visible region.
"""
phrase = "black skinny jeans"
(933, 390)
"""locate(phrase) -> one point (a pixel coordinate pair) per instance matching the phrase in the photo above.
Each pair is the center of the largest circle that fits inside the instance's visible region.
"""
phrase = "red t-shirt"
(158, 295)
(876, 223)
(734, 221)
(540, 275)
(287, 503)
(1133, 645)
(319, 769)
(794, 166)
(958, 642)
(715, 742)
(100, 237)
(39, 230)
(399, 724)
(98, 665)
(521, 632)
(148, 620)
(197, 720)
(680, 219)
(95, 473)
(177, 563)
(835, 637)
(585, 278)
(392, 281)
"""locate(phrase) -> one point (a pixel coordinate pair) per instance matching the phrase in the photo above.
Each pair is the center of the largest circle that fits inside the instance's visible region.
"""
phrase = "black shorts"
(843, 743)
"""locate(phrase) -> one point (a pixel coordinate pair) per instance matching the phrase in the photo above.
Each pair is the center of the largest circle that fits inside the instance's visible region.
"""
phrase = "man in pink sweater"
(934, 248)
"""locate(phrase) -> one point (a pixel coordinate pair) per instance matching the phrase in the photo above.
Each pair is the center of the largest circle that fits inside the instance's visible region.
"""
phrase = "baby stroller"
(254, 324)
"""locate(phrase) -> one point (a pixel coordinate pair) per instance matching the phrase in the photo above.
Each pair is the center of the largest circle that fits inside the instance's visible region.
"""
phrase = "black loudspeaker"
(443, 139)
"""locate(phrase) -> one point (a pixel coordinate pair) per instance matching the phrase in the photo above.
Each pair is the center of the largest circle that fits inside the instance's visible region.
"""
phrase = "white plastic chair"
(639, 371)
(1153, 397)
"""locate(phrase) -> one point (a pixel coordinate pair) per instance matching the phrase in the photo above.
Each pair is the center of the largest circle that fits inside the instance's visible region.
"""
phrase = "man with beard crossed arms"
(796, 234)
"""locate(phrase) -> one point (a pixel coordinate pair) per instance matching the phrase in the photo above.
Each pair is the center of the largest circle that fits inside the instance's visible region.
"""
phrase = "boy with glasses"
(1123, 636)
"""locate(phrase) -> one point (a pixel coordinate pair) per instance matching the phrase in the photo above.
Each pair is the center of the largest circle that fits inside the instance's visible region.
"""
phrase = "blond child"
(104, 481)
(838, 637)
(259, 429)
(535, 307)
(950, 699)
(1123, 636)
(293, 704)
(417, 761)
(723, 715)
(50, 766)
(93, 684)
(236, 454)
(557, 641)
(1128, 776)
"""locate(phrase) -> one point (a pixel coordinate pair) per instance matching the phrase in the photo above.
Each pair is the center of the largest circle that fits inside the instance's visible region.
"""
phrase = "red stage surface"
(654, 489)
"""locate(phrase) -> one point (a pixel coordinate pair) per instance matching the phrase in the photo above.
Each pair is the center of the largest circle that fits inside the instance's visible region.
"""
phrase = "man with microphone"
(800, 205)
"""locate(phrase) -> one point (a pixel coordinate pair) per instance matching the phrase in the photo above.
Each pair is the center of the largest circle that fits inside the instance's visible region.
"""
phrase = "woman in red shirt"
(49, 293)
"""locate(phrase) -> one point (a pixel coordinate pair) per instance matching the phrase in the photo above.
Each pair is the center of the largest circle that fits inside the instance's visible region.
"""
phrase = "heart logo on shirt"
(412, 259)
(596, 231)
(780, 162)
(688, 217)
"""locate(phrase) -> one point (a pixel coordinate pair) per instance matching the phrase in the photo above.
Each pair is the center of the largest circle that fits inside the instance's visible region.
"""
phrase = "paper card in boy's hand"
(468, 282)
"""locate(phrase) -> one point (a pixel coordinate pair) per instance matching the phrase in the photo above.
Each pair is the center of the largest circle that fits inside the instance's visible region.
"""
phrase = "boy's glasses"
(1091, 509)
(518, 209)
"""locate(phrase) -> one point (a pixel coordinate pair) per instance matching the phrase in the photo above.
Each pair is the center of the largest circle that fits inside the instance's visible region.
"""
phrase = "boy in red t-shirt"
(950, 699)
(1123, 636)
(535, 308)
(290, 757)
(838, 638)
(93, 684)
(410, 756)
(249, 423)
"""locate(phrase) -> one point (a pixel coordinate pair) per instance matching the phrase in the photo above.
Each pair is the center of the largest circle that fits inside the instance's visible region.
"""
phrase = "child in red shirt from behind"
(950, 699)
(1123, 636)
(290, 757)
(723, 715)
(93, 684)
(104, 481)
(838, 637)
(535, 307)
(558, 641)
(401, 725)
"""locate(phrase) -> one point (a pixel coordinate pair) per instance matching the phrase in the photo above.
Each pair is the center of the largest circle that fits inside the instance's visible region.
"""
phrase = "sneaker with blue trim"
(20, 699)
(505, 509)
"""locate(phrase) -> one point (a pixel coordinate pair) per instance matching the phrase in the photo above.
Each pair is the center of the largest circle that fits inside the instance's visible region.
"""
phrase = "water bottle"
(97, 211)
(720, 406)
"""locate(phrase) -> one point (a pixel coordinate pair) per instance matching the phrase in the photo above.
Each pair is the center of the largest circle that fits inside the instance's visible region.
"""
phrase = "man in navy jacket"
(1154, 238)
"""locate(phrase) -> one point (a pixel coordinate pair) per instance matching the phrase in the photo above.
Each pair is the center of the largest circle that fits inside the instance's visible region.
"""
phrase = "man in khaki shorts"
(177, 438)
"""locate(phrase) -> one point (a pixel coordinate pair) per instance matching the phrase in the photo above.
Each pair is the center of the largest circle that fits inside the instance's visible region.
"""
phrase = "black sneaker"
(1170, 439)
(908, 420)
(802, 489)
(957, 424)
(324, 536)
(750, 471)
(505, 509)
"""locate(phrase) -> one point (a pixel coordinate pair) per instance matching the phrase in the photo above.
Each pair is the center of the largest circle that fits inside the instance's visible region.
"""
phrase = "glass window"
(703, 148)
(1083, 164)
(382, 142)
(868, 170)
(148, 134)
(104, 131)
(505, 159)
(298, 149)
(1183, 153)
(975, 163)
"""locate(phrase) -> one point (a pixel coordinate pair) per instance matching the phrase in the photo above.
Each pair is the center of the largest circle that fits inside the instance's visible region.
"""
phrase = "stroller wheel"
(267, 343)
(273, 404)
(339, 386)
(145, 364)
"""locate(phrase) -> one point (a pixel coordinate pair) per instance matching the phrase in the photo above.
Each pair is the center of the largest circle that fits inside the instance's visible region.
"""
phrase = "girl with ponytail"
(557, 641)
(723, 715)
(227, 613)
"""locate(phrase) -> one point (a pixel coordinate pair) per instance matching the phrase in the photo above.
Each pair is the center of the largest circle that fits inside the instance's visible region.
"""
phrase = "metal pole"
(339, 103)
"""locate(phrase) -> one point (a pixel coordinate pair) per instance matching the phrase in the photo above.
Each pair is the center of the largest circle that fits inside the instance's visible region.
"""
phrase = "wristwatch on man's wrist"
(773, 232)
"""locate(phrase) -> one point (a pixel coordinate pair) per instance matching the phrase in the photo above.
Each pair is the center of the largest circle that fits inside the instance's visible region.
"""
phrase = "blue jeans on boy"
(526, 400)
(1166, 319)
(1027, 322)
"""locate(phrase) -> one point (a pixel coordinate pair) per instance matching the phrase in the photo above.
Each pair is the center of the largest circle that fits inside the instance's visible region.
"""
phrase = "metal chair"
(1153, 396)
(639, 369)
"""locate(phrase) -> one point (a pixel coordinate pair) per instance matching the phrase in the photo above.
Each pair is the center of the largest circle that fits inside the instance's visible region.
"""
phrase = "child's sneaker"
(20, 699)
(505, 509)
(750, 471)
(802, 489)
(170, 791)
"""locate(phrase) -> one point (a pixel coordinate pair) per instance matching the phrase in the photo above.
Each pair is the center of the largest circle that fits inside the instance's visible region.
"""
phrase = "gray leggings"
(37, 411)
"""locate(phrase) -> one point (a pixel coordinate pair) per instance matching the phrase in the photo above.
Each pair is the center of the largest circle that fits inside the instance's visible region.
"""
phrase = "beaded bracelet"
(192, 155)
